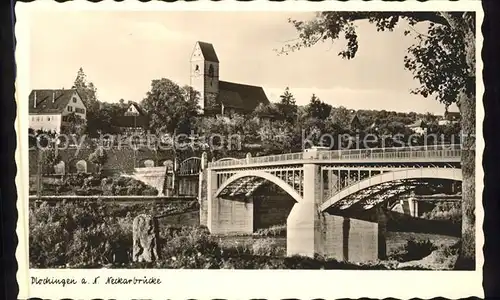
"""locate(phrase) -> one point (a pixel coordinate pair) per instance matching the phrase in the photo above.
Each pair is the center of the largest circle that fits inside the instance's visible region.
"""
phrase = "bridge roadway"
(329, 188)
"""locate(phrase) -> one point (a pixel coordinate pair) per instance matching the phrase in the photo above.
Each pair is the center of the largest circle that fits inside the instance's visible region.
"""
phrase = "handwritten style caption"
(110, 280)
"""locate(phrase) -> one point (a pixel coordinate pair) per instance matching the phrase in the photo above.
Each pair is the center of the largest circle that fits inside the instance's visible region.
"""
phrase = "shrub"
(149, 191)
(275, 230)
(267, 247)
(78, 234)
(450, 211)
(189, 247)
(414, 250)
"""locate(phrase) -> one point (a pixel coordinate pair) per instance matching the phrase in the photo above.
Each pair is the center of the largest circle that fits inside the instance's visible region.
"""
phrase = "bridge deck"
(429, 154)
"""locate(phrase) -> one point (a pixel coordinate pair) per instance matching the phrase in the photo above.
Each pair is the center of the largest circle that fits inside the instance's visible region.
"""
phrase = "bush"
(450, 211)
(414, 250)
(189, 247)
(267, 247)
(275, 230)
(79, 235)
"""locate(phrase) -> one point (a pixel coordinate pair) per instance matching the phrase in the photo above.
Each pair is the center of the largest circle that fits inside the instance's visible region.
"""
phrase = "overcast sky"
(122, 52)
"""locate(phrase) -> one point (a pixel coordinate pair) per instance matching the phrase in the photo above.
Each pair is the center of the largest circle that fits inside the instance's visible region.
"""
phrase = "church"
(217, 96)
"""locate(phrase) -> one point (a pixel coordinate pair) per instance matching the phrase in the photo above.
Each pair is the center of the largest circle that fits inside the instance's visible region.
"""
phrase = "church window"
(211, 71)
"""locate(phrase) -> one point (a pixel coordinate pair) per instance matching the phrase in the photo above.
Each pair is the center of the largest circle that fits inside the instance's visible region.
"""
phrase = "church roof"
(208, 51)
(241, 96)
(45, 104)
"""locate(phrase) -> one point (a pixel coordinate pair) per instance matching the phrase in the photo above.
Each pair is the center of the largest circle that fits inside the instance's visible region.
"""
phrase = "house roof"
(137, 107)
(452, 115)
(241, 96)
(418, 123)
(49, 101)
(208, 51)
(355, 121)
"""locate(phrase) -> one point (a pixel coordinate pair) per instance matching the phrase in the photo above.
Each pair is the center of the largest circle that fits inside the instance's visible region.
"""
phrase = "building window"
(197, 68)
(74, 99)
(70, 108)
(37, 119)
(79, 110)
(48, 118)
(33, 119)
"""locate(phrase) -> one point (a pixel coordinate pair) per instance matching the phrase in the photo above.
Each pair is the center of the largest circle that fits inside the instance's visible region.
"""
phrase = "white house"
(48, 109)
(449, 118)
(419, 127)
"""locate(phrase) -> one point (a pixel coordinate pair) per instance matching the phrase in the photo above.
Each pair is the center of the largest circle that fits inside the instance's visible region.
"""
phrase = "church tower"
(205, 75)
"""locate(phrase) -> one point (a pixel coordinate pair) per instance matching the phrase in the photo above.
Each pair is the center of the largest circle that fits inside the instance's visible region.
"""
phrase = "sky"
(122, 52)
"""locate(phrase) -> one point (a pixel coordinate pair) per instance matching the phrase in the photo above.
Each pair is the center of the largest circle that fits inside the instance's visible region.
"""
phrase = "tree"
(99, 157)
(340, 116)
(318, 109)
(287, 107)
(276, 137)
(50, 159)
(172, 110)
(442, 60)
(74, 124)
(267, 111)
(87, 91)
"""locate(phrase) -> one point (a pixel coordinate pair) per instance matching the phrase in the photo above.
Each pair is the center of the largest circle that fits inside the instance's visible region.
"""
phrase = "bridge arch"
(405, 174)
(264, 175)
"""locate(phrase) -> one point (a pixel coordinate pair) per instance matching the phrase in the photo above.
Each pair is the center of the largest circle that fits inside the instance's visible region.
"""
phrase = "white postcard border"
(242, 284)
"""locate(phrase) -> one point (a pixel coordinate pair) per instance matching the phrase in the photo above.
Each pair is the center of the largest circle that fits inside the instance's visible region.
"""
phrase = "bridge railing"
(449, 151)
(435, 151)
(275, 158)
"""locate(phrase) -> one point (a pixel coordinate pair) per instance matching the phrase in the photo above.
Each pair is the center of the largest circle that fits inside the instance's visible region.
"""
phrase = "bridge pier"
(413, 207)
(303, 223)
(227, 216)
(203, 197)
(381, 233)
(311, 232)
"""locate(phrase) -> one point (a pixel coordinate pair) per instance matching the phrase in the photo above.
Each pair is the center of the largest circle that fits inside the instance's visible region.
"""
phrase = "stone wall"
(119, 159)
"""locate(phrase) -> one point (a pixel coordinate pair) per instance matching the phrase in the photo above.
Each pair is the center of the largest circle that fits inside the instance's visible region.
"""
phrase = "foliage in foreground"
(88, 233)
(94, 235)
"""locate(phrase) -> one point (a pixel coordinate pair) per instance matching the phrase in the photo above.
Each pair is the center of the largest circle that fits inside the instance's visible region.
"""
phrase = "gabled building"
(133, 121)
(49, 109)
(217, 96)
(419, 127)
(449, 118)
(355, 124)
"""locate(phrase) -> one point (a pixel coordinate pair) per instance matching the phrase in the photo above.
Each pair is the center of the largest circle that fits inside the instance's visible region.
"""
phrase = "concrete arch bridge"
(328, 189)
